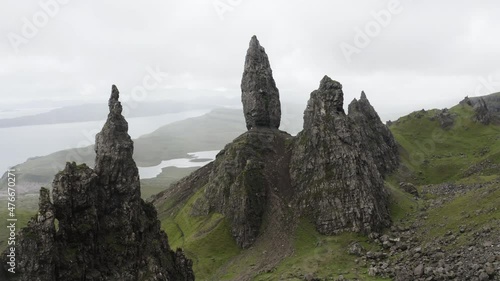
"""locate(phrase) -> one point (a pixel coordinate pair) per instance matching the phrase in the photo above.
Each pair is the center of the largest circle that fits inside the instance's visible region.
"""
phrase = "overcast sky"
(406, 55)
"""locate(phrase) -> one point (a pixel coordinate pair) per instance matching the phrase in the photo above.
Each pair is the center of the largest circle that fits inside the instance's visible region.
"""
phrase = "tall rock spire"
(260, 96)
(114, 149)
(106, 231)
(248, 171)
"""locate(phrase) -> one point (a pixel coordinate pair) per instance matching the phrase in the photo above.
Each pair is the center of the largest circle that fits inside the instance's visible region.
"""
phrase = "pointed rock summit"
(324, 103)
(336, 180)
(376, 137)
(114, 149)
(247, 172)
(260, 96)
(105, 230)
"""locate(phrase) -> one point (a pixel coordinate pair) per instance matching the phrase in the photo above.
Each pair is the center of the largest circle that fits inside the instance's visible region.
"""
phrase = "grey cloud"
(429, 55)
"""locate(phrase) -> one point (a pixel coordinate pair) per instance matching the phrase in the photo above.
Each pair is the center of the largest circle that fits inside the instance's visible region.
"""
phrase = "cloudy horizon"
(406, 55)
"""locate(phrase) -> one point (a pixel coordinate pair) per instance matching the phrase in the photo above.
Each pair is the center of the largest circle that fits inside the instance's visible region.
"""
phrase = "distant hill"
(444, 145)
(96, 112)
(492, 100)
(208, 132)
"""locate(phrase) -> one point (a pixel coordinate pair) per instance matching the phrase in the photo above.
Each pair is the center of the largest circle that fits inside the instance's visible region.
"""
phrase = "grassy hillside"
(455, 170)
(207, 241)
(434, 155)
(167, 176)
(23, 215)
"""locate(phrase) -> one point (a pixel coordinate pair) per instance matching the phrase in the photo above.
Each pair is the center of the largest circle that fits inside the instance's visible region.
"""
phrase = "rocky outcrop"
(409, 187)
(335, 178)
(105, 231)
(466, 101)
(253, 166)
(376, 137)
(244, 175)
(331, 172)
(482, 113)
(409, 252)
(445, 118)
(260, 96)
(37, 253)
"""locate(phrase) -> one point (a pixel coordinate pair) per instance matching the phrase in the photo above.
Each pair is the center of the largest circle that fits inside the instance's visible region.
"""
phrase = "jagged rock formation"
(445, 118)
(332, 168)
(251, 167)
(483, 114)
(38, 253)
(260, 96)
(245, 172)
(331, 172)
(466, 101)
(409, 187)
(105, 230)
(493, 102)
(377, 138)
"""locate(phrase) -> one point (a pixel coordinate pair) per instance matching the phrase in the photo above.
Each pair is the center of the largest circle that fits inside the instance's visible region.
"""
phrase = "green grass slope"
(207, 241)
(434, 155)
(468, 153)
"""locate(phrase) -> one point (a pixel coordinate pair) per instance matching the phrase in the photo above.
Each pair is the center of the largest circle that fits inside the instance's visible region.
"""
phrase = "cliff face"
(246, 173)
(483, 114)
(332, 172)
(36, 252)
(376, 137)
(105, 231)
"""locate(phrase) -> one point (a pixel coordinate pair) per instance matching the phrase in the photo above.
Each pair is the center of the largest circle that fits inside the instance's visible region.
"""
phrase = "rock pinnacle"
(260, 96)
